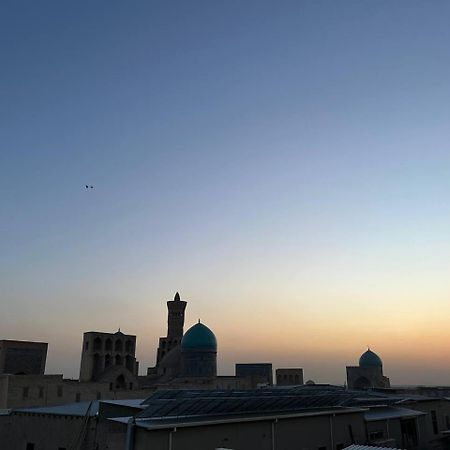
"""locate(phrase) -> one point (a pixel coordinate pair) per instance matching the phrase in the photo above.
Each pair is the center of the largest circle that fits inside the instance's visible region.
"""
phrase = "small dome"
(199, 338)
(370, 359)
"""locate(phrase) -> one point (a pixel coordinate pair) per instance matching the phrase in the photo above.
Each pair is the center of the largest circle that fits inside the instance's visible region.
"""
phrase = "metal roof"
(368, 447)
(318, 391)
(384, 413)
(80, 409)
(132, 403)
(205, 405)
(179, 421)
(188, 404)
(70, 409)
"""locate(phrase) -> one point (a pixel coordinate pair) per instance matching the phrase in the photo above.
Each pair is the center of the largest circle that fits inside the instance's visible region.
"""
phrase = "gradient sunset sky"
(284, 165)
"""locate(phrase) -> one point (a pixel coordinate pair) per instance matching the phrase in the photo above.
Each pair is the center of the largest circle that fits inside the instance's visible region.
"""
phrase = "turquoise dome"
(199, 338)
(370, 359)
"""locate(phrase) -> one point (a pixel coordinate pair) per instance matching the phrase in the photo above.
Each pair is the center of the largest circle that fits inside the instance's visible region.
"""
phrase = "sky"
(284, 165)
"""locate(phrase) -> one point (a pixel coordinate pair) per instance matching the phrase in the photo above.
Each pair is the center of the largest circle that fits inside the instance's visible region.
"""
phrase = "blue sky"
(290, 158)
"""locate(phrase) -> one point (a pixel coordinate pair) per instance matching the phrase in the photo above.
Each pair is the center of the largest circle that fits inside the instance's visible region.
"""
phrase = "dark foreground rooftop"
(176, 406)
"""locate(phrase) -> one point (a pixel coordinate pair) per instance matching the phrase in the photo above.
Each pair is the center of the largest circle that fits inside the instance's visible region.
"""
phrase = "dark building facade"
(289, 376)
(23, 357)
(261, 371)
(109, 357)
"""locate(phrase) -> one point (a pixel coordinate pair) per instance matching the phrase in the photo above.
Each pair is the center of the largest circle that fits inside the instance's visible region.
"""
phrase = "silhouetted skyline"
(284, 165)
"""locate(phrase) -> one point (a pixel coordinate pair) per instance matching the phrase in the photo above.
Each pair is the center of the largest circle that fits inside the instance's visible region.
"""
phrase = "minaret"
(175, 319)
(175, 324)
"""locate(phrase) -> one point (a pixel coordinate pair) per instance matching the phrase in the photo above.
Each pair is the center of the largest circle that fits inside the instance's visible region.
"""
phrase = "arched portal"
(120, 382)
(362, 383)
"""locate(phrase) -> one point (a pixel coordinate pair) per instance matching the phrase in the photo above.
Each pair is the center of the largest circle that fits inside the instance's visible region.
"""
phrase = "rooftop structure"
(22, 357)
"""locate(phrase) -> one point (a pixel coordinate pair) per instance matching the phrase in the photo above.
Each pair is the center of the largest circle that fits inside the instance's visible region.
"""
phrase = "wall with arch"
(103, 352)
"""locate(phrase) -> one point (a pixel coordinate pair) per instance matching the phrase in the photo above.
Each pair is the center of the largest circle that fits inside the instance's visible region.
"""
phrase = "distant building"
(175, 326)
(168, 356)
(109, 357)
(368, 374)
(199, 352)
(23, 357)
(189, 360)
(261, 371)
(109, 370)
(289, 377)
(23, 391)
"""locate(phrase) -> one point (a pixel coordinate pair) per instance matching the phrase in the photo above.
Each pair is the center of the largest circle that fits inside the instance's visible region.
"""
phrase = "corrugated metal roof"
(368, 447)
(132, 403)
(69, 409)
(81, 408)
(306, 391)
(383, 413)
(193, 420)
(210, 404)
(195, 404)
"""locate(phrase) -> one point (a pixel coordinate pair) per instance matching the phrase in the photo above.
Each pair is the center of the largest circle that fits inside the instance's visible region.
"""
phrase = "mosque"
(184, 355)
(192, 357)
(190, 360)
(368, 374)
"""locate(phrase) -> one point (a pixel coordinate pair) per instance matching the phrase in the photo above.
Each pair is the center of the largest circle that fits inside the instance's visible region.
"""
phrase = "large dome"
(199, 338)
(370, 359)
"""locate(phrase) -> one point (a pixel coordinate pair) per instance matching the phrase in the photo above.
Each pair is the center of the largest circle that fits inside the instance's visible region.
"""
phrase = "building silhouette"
(175, 328)
(199, 352)
(289, 376)
(22, 357)
(368, 374)
(109, 357)
(261, 373)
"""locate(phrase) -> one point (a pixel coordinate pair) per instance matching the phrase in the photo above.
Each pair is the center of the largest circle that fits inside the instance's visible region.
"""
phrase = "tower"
(175, 324)
(175, 319)
(109, 357)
